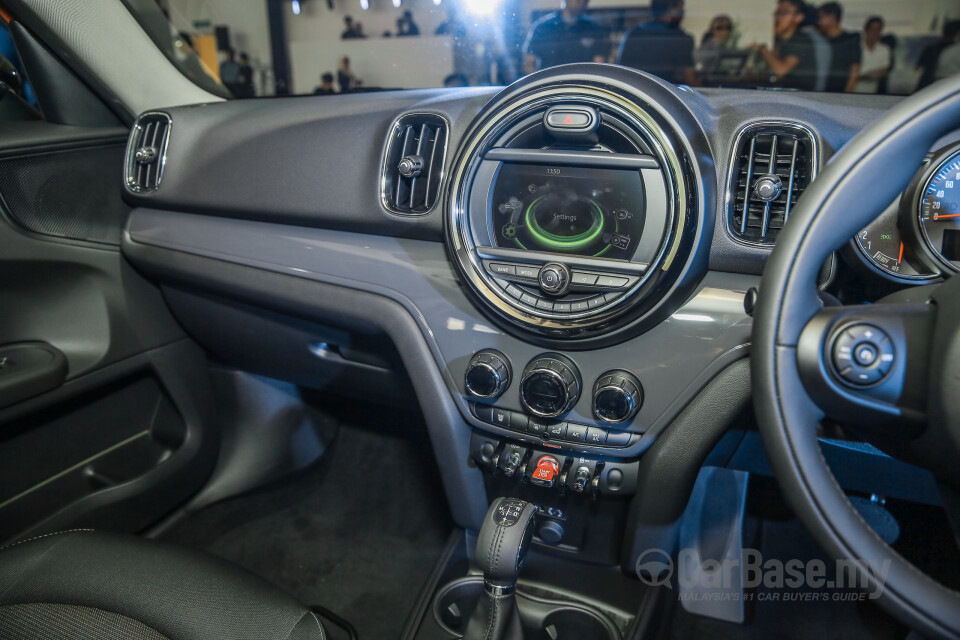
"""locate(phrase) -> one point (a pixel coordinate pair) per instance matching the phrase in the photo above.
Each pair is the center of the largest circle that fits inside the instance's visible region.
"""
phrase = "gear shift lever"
(501, 549)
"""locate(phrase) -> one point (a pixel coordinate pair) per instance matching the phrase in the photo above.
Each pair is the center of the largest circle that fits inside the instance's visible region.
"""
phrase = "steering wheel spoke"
(867, 366)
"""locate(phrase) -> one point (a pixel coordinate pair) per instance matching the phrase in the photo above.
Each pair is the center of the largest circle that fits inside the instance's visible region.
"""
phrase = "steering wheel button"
(865, 354)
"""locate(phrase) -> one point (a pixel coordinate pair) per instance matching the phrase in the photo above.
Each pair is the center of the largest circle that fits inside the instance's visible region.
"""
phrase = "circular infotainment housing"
(611, 200)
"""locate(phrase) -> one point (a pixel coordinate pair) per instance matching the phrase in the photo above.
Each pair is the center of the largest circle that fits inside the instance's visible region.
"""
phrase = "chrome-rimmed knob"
(768, 187)
(488, 374)
(550, 385)
(410, 166)
(617, 397)
(554, 279)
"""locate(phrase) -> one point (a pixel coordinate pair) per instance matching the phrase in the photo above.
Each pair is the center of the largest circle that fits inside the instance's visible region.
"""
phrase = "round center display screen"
(586, 212)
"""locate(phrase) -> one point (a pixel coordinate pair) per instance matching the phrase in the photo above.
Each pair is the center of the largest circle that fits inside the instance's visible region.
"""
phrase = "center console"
(573, 221)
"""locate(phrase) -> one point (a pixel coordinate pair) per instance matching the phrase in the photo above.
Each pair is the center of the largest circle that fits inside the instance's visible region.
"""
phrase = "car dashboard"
(561, 266)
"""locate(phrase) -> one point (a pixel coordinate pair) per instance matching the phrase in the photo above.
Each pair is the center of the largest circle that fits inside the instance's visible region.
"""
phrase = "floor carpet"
(358, 534)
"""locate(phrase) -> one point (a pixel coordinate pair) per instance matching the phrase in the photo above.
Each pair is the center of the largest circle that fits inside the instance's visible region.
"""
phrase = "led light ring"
(544, 237)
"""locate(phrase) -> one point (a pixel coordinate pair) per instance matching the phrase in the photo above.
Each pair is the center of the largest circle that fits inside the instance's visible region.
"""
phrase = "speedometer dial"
(882, 244)
(940, 212)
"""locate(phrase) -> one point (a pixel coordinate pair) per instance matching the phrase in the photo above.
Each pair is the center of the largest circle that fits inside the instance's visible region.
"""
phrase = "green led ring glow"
(559, 242)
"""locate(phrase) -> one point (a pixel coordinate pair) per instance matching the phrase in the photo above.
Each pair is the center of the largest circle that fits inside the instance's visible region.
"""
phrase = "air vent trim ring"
(733, 172)
(130, 178)
(389, 148)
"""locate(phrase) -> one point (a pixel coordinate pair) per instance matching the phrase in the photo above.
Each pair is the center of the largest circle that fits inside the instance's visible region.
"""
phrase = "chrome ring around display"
(466, 251)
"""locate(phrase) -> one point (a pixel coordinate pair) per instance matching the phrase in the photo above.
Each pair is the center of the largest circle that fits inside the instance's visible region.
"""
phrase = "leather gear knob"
(504, 539)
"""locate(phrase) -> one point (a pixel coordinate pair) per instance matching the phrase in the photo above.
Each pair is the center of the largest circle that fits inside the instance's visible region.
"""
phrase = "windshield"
(284, 47)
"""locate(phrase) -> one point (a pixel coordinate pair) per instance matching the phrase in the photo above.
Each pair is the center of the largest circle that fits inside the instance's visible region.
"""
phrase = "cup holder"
(573, 624)
(543, 617)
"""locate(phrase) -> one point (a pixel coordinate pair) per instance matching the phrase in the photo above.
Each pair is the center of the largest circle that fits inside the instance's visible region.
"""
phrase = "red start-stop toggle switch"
(545, 472)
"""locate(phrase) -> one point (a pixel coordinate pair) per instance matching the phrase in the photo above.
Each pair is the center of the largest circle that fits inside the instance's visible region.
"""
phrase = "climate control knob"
(488, 374)
(617, 396)
(550, 385)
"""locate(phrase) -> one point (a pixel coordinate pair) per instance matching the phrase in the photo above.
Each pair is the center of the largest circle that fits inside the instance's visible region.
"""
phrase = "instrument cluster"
(917, 238)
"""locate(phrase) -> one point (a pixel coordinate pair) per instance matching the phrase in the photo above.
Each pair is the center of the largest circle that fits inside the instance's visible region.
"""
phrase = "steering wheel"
(800, 347)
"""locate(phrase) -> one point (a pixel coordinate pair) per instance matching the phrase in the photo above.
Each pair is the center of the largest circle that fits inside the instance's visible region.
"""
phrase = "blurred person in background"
(949, 62)
(406, 26)
(930, 57)
(230, 72)
(245, 80)
(792, 60)
(822, 53)
(659, 46)
(565, 36)
(717, 39)
(845, 53)
(345, 77)
(876, 57)
(351, 30)
(326, 85)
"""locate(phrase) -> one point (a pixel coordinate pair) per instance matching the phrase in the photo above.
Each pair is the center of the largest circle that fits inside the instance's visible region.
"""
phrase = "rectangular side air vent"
(772, 165)
(147, 152)
(413, 166)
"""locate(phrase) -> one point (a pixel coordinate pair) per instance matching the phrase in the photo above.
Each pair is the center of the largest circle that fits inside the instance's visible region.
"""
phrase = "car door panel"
(127, 432)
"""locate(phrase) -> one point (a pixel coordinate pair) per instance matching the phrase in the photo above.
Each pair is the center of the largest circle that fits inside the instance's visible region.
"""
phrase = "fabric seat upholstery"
(85, 584)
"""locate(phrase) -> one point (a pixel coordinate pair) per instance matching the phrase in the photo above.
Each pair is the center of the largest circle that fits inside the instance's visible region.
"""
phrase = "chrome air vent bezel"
(130, 173)
(755, 129)
(386, 171)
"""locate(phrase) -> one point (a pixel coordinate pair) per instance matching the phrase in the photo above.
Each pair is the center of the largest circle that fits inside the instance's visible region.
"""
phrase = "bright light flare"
(295, 5)
(481, 7)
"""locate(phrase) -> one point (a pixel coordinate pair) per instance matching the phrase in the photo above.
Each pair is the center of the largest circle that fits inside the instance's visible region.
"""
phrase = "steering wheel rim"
(843, 199)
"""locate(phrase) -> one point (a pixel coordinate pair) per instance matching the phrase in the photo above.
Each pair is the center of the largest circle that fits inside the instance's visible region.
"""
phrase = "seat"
(86, 585)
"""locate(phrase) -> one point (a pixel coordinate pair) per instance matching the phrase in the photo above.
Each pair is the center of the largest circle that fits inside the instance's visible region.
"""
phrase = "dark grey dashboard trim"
(309, 299)
(418, 275)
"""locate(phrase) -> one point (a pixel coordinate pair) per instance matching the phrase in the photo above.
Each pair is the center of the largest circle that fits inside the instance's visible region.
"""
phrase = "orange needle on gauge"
(900, 259)
(949, 215)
